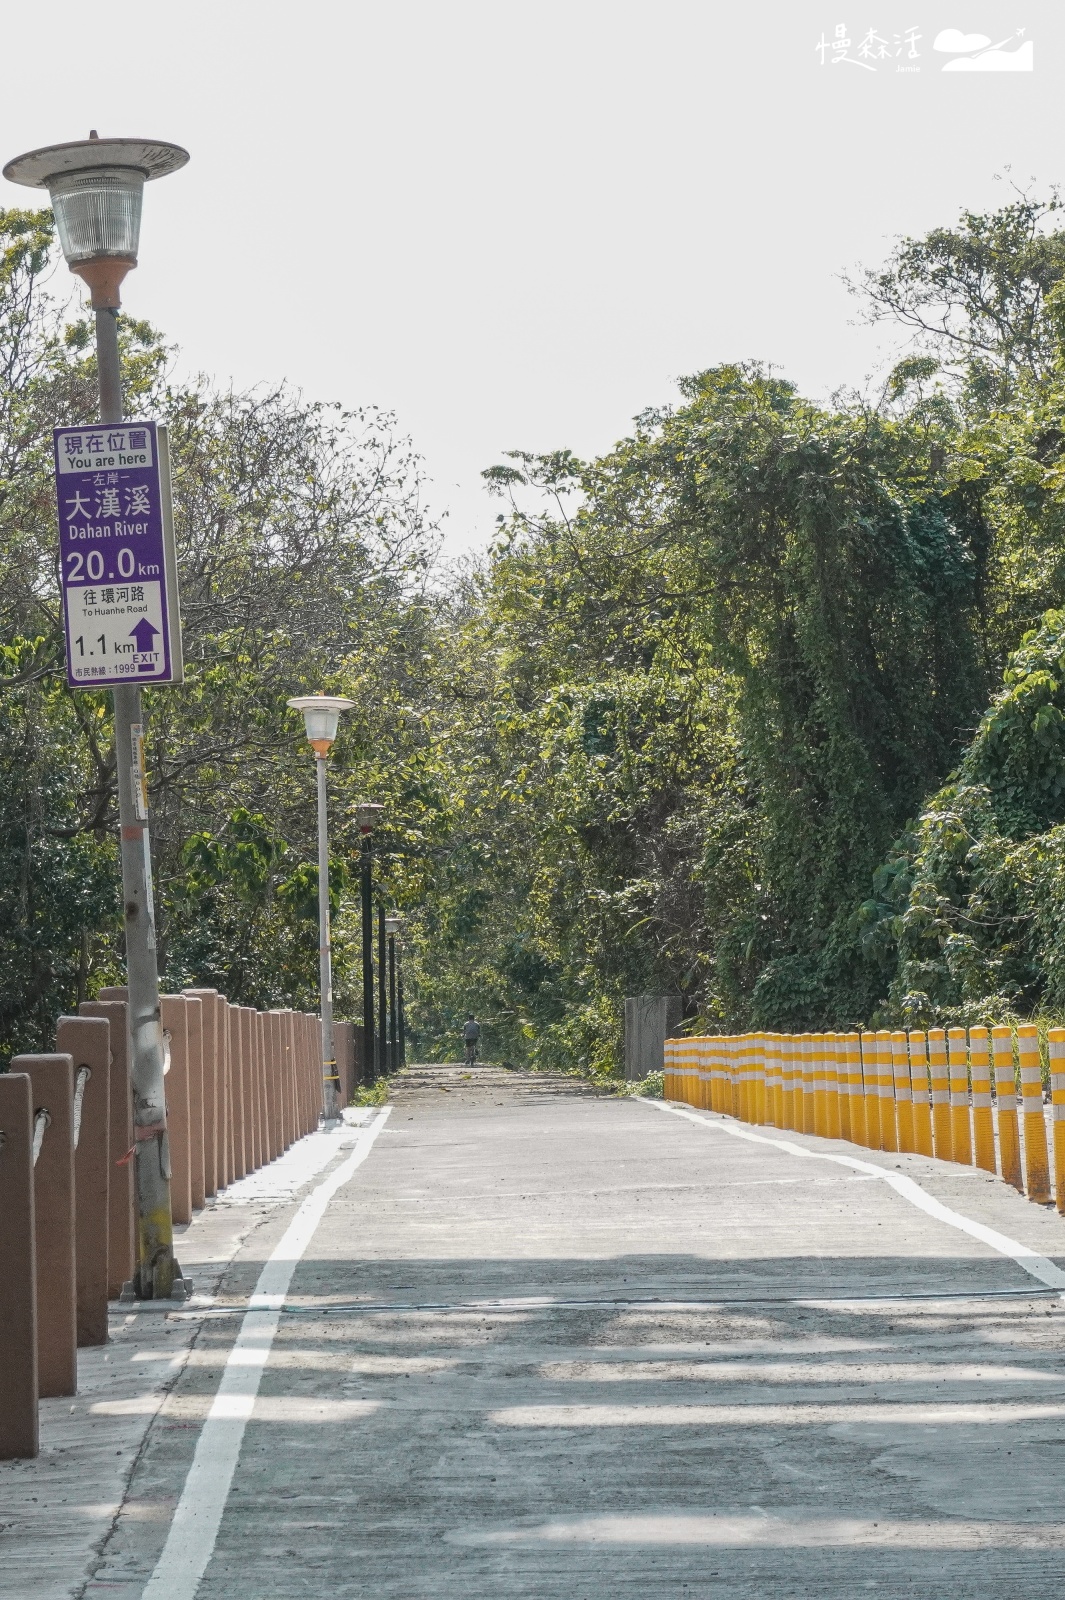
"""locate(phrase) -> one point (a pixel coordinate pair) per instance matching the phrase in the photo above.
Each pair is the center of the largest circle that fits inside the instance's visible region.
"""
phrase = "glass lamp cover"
(321, 722)
(98, 213)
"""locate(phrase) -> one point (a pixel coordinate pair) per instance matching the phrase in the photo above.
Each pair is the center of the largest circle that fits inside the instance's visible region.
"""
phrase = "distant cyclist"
(471, 1038)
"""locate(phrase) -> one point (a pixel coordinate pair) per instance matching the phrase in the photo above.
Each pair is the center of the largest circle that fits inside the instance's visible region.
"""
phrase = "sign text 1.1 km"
(117, 560)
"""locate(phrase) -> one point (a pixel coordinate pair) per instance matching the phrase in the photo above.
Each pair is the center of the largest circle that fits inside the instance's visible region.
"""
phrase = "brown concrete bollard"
(52, 1088)
(88, 1041)
(273, 1083)
(19, 1437)
(247, 1089)
(288, 1098)
(236, 1078)
(194, 1025)
(276, 1065)
(258, 1076)
(209, 1007)
(269, 1090)
(225, 1095)
(304, 1098)
(121, 1231)
(314, 1071)
(273, 1144)
(258, 1085)
(258, 1023)
(173, 1016)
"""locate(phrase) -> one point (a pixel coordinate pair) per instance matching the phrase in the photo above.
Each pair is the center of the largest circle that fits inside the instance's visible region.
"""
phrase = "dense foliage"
(765, 707)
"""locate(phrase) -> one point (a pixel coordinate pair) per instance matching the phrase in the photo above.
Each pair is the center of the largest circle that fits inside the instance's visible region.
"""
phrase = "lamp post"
(96, 187)
(366, 812)
(382, 994)
(400, 1007)
(321, 713)
(393, 925)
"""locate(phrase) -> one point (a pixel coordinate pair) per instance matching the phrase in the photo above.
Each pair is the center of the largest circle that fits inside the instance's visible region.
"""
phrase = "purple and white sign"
(116, 552)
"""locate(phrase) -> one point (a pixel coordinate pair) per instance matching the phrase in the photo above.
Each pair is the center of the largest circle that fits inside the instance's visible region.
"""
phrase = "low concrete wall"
(650, 1019)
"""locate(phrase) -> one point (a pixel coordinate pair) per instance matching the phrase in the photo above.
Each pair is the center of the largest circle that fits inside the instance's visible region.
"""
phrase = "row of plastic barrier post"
(950, 1093)
(241, 1086)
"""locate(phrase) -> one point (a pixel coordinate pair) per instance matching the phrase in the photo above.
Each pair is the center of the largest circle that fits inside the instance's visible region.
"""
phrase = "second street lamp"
(321, 713)
(393, 925)
(366, 813)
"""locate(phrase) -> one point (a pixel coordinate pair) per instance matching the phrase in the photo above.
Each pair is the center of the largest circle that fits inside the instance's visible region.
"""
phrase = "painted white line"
(1029, 1261)
(198, 1516)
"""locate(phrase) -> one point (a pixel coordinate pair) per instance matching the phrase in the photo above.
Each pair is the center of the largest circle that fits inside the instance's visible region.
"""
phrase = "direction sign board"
(117, 559)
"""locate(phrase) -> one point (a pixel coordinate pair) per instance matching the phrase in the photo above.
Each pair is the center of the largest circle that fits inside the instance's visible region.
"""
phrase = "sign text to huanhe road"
(116, 551)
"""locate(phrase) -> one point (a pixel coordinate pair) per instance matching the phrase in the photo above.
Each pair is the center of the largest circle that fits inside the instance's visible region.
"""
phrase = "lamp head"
(393, 924)
(95, 186)
(321, 713)
(366, 814)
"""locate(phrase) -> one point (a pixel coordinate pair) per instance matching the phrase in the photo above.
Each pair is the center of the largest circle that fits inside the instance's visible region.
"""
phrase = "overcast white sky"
(516, 223)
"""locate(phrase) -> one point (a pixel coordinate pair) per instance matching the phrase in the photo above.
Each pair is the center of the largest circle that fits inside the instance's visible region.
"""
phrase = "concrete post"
(238, 1164)
(344, 1048)
(259, 1030)
(52, 1087)
(274, 1086)
(983, 1122)
(225, 1095)
(310, 1045)
(194, 1028)
(298, 1074)
(210, 1076)
(940, 1074)
(226, 1108)
(1036, 1155)
(254, 1086)
(922, 1095)
(121, 1237)
(650, 1019)
(173, 1016)
(960, 1131)
(247, 1076)
(18, 1272)
(88, 1041)
(283, 1094)
(288, 1056)
(1009, 1138)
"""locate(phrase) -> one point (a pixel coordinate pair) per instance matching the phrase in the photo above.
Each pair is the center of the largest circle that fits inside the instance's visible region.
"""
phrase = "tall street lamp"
(366, 813)
(382, 993)
(321, 713)
(96, 187)
(393, 926)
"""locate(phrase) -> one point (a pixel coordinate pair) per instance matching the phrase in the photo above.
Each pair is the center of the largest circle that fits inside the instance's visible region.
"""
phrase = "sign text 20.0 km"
(116, 551)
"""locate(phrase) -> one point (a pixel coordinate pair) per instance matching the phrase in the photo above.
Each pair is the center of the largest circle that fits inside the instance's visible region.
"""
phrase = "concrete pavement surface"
(544, 1343)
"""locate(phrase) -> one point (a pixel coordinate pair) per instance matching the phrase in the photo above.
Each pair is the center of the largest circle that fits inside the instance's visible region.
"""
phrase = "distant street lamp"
(95, 187)
(321, 713)
(366, 814)
(393, 926)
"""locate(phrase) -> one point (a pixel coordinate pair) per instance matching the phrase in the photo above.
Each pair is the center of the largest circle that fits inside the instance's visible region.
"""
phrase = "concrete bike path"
(545, 1343)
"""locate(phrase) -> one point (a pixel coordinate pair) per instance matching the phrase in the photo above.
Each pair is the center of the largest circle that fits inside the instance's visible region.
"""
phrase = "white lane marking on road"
(1029, 1261)
(198, 1516)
